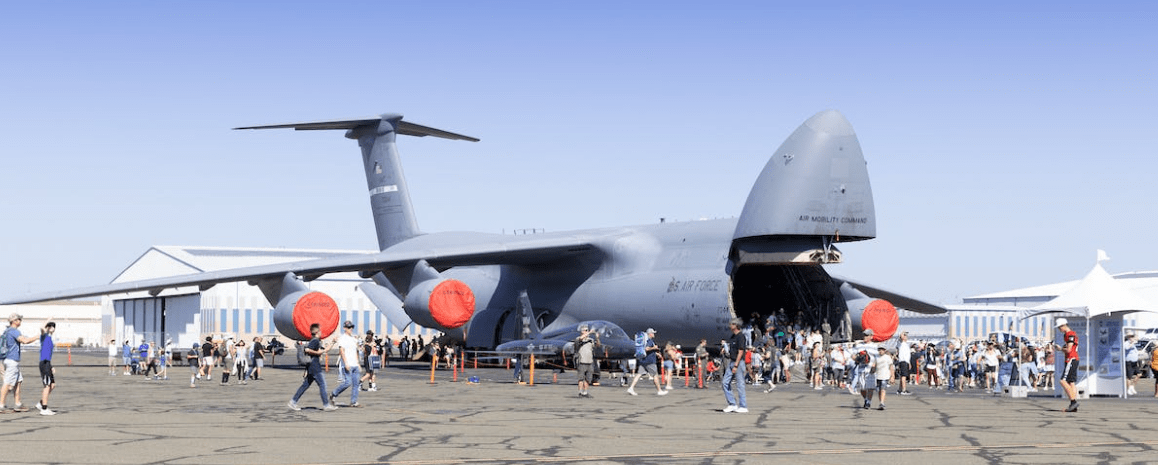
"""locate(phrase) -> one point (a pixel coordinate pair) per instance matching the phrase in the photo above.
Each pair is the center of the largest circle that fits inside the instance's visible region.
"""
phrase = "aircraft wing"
(441, 251)
(898, 300)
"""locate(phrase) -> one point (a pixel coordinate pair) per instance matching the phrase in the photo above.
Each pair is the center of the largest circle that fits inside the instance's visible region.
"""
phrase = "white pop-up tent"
(1095, 307)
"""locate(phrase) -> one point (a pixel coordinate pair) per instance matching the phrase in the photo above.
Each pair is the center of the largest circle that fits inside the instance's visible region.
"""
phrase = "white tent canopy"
(1096, 294)
(1093, 301)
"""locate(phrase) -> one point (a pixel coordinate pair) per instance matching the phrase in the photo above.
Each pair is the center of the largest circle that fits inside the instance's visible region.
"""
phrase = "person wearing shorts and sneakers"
(1069, 374)
(904, 354)
(1133, 366)
(12, 377)
(585, 358)
(864, 377)
(47, 373)
(647, 364)
(884, 372)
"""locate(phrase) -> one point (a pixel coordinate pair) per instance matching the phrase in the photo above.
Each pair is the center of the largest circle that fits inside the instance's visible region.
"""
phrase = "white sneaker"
(294, 406)
(330, 408)
(661, 393)
(38, 407)
(668, 388)
(631, 391)
(730, 408)
(45, 411)
(742, 410)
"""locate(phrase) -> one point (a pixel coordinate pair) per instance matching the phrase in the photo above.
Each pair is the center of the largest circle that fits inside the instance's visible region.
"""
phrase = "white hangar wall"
(186, 315)
(77, 322)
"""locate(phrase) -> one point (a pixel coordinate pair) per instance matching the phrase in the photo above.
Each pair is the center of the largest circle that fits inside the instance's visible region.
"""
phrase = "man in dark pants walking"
(314, 371)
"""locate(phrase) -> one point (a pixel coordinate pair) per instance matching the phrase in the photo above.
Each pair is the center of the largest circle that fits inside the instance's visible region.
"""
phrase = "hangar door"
(158, 319)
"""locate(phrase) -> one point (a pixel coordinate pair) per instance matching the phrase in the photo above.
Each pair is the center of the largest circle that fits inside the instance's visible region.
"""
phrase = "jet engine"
(440, 303)
(297, 307)
(297, 311)
(876, 314)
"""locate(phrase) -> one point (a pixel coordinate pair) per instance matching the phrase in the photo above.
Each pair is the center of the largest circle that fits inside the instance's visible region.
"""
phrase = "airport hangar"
(976, 317)
(186, 315)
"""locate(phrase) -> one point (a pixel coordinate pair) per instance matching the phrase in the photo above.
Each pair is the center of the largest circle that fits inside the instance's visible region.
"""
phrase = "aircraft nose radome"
(830, 122)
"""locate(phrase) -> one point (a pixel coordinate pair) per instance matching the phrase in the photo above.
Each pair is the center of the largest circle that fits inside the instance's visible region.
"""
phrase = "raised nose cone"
(816, 184)
(830, 122)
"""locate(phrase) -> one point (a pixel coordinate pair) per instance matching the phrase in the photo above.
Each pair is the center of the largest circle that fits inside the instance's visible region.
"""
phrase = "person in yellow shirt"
(1154, 366)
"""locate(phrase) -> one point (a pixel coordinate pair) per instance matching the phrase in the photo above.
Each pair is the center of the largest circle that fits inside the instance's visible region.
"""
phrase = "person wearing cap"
(864, 377)
(884, 373)
(12, 377)
(585, 358)
(1070, 373)
(702, 363)
(648, 364)
(348, 365)
(734, 369)
(314, 349)
(373, 355)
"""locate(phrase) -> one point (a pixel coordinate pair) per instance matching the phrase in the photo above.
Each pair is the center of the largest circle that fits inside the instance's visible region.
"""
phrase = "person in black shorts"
(1070, 373)
(47, 374)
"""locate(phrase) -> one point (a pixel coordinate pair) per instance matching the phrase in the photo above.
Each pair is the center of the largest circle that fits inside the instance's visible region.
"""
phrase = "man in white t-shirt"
(864, 363)
(884, 372)
(839, 360)
(904, 369)
(348, 367)
(113, 357)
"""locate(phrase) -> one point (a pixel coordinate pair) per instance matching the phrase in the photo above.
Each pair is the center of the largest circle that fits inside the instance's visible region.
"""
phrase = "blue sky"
(1006, 143)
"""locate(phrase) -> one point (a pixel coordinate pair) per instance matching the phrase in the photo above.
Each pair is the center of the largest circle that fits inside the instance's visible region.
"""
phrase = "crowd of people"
(765, 355)
(755, 354)
(10, 347)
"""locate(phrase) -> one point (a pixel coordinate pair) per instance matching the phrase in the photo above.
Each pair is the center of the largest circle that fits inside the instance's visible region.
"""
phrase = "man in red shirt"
(1069, 374)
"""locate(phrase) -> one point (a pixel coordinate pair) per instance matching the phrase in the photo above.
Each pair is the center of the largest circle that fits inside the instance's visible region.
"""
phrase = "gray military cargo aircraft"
(685, 279)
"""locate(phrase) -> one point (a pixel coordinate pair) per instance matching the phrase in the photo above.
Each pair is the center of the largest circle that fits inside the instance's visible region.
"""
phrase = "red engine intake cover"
(316, 307)
(451, 303)
(881, 317)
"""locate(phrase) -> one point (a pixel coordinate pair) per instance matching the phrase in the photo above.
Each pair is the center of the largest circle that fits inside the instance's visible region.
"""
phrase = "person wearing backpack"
(647, 363)
(10, 351)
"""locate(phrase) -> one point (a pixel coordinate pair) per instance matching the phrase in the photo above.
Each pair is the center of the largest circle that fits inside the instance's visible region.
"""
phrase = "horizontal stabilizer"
(901, 301)
(403, 127)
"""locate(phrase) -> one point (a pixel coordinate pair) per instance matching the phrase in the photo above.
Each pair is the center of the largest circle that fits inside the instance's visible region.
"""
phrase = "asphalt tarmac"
(128, 419)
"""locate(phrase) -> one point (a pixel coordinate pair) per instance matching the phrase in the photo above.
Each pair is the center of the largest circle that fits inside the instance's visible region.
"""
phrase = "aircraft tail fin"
(813, 192)
(526, 314)
(394, 218)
